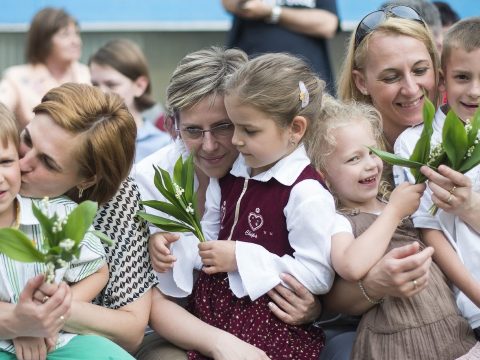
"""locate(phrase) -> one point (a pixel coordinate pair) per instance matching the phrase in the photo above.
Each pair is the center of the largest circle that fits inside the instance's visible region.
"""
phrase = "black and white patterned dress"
(131, 273)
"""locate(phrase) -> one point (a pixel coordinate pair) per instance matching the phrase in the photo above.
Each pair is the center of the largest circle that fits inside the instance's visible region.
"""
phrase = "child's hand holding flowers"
(181, 200)
(218, 256)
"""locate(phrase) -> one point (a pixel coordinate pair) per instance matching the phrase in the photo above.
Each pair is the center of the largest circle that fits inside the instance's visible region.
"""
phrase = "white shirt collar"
(285, 171)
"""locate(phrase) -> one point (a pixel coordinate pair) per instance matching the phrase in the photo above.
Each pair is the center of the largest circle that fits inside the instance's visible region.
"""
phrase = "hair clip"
(304, 95)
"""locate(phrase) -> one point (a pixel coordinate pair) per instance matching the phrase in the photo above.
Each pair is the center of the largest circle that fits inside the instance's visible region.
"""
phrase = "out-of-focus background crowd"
(166, 30)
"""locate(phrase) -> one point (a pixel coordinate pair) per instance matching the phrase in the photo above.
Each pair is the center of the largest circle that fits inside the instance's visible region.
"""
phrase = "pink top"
(23, 87)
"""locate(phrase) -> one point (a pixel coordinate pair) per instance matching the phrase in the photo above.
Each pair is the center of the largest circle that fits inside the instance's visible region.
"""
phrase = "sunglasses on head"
(371, 21)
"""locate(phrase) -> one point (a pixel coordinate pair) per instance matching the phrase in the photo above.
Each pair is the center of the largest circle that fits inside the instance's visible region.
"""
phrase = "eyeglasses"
(371, 21)
(219, 131)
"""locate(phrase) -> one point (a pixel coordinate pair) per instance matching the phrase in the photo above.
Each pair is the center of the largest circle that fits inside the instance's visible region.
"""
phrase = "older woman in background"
(53, 50)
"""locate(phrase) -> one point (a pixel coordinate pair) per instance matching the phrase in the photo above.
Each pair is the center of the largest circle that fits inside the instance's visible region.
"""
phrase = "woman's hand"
(30, 348)
(452, 192)
(41, 315)
(159, 249)
(229, 347)
(218, 256)
(402, 272)
(294, 306)
(393, 275)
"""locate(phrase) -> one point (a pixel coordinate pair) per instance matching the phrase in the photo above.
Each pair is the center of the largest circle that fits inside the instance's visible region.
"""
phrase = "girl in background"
(120, 67)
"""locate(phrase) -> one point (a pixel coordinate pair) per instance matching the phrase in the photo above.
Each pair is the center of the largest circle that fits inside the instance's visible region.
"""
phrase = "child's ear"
(298, 127)
(360, 83)
(141, 84)
(441, 81)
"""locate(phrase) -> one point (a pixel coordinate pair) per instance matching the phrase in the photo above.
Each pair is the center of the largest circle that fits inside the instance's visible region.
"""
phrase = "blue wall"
(16, 12)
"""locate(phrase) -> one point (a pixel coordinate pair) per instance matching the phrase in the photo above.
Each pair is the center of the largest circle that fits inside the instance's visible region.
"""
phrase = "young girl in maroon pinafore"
(272, 205)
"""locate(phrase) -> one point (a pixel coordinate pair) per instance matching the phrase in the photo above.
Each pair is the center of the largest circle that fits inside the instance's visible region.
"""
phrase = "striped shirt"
(14, 274)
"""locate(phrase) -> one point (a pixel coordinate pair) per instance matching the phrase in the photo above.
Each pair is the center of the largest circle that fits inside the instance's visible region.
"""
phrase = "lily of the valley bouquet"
(459, 149)
(62, 237)
(181, 200)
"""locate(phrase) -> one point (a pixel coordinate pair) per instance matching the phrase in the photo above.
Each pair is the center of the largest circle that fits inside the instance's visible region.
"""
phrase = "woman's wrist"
(8, 326)
(369, 298)
(371, 288)
(469, 214)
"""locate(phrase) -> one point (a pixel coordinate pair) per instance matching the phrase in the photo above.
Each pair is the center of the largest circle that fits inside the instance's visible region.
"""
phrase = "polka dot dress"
(251, 321)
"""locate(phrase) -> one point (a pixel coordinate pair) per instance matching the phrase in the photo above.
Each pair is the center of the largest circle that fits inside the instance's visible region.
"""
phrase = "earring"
(365, 92)
(80, 192)
(292, 142)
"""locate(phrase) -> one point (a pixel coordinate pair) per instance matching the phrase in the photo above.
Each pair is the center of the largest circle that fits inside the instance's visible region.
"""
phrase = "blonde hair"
(464, 34)
(270, 83)
(355, 59)
(107, 132)
(334, 115)
(199, 75)
(8, 128)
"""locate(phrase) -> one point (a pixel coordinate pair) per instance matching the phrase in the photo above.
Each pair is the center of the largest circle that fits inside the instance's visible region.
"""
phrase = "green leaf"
(17, 246)
(165, 186)
(104, 238)
(195, 206)
(177, 171)
(46, 225)
(454, 139)
(55, 250)
(168, 209)
(164, 223)
(395, 160)
(475, 123)
(442, 159)
(167, 181)
(159, 184)
(421, 152)
(471, 161)
(80, 220)
(189, 175)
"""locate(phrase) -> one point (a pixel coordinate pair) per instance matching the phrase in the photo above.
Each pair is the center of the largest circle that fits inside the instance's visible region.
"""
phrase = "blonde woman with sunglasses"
(391, 63)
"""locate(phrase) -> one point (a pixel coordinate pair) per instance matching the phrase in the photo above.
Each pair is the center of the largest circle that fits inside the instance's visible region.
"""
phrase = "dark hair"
(128, 59)
(447, 14)
(44, 25)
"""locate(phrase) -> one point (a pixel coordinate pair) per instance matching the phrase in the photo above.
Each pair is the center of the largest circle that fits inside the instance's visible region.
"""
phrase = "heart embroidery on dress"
(255, 220)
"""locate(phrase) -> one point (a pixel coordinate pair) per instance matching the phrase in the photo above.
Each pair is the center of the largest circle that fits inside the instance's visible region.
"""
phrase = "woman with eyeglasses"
(195, 101)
